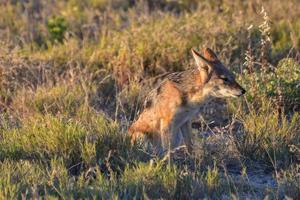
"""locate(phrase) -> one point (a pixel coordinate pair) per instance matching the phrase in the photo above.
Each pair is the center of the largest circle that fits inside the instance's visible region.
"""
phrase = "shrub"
(57, 28)
(281, 84)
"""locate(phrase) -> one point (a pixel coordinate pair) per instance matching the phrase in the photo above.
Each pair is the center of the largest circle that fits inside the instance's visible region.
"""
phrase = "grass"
(70, 86)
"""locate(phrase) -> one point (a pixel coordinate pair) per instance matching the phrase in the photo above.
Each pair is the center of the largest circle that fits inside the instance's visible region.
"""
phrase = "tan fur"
(173, 103)
(210, 55)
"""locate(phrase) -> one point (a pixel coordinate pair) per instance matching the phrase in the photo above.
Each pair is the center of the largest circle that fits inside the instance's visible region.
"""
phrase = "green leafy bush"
(57, 28)
(281, 84)
(266, 132)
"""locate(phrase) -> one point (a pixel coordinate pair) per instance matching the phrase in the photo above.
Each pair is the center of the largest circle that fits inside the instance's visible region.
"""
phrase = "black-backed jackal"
(175, 101)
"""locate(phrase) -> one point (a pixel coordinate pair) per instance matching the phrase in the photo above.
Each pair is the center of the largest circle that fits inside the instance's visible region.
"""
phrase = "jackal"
(175, 101)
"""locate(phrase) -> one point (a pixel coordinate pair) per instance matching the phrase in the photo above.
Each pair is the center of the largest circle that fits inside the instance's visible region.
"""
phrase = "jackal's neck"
(194, 87)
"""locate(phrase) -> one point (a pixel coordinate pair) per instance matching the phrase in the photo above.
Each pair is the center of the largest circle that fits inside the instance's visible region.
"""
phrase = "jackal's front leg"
(165, 140)
(170, 138)
(186, 130)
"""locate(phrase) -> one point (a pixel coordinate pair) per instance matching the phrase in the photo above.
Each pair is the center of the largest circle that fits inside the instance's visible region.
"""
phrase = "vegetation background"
(70, 76)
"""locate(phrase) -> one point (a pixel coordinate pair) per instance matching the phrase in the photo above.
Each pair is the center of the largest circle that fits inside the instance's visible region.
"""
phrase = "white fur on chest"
(185, 114)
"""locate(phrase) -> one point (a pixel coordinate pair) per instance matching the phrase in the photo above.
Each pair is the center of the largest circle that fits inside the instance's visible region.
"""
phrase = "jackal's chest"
(185, 114)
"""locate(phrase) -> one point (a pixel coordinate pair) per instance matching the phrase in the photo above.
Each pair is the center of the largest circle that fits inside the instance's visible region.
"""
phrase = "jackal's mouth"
(243, 91)
(239, 94)
(229, 94)
(234, 95)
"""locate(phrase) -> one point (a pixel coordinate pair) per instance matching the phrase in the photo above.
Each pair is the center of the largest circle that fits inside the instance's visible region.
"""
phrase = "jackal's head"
(217, 80)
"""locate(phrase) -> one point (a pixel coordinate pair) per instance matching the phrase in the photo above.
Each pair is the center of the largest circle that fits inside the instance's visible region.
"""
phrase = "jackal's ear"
(209, 55)
(202, 63)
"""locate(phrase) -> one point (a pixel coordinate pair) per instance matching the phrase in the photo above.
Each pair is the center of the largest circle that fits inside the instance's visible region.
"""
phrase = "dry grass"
(70, 85)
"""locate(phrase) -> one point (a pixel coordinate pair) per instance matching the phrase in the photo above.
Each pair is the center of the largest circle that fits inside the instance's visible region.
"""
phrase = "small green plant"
(57, 27)
(212, 177)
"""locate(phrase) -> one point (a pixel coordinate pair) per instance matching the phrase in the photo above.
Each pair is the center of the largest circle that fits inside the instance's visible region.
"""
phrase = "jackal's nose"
(243, 91)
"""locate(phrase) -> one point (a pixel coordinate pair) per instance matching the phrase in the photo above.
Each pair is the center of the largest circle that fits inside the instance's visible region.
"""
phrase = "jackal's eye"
(226, 80)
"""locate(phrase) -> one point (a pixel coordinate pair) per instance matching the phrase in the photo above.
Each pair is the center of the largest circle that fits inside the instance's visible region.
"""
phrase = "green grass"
(70, 86)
